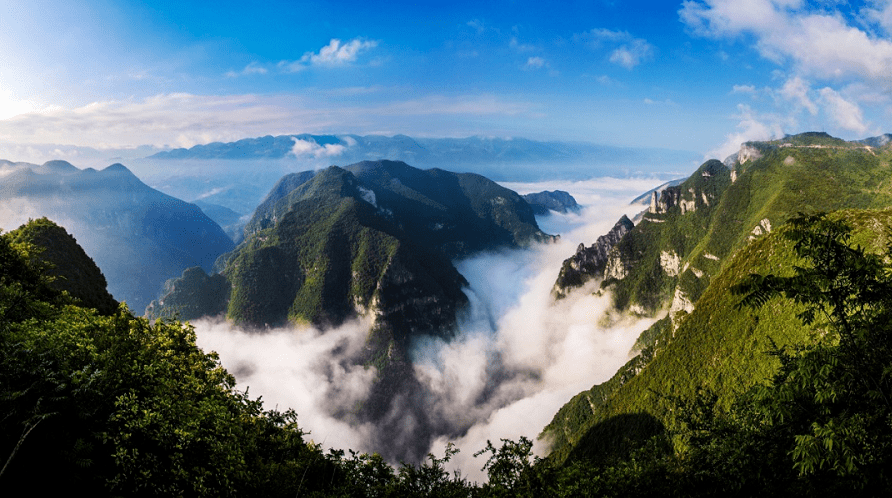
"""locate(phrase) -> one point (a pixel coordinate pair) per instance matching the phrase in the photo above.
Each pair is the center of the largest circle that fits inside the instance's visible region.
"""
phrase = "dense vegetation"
(691, 248)
(114, 405)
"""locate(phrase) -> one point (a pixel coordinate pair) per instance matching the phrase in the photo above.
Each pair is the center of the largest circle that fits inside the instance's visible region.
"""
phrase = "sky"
(702, 75)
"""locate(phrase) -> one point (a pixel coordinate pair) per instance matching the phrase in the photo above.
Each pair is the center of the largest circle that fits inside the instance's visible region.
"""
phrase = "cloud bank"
(518, 356)
(311, 148)
(336, 53)
(184, 120)
(835, 59)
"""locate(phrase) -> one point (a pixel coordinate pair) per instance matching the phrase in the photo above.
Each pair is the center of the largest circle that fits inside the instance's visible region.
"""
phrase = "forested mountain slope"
(693, 244)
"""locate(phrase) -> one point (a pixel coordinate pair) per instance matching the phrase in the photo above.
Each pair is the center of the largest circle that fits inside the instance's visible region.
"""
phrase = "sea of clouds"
(518, 356)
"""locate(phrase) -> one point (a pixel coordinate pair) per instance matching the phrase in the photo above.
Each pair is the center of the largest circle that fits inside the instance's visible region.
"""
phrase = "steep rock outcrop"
(687, 261)
(589, 262)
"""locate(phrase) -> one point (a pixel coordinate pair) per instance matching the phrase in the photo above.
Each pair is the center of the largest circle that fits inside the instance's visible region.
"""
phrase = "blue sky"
(699, 75)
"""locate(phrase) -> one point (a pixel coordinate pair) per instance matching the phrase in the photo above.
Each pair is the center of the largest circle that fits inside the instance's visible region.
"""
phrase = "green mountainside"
(374, 236)
(373, 239)
(65, 262)
(695, 242)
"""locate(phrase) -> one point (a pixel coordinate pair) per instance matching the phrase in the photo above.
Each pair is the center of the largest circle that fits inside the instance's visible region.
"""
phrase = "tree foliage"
(831, 399)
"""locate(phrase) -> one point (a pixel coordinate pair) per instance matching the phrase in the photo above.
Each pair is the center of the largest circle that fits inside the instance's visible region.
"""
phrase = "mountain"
(68, 266)
(138, 236)
(589, 262)
(230, 221)
(697, 240)
(373, 236)
(878, 141)
(551, 200)
(372, 239)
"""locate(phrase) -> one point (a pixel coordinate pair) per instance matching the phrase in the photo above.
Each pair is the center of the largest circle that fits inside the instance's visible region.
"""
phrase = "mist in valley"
(518, 356)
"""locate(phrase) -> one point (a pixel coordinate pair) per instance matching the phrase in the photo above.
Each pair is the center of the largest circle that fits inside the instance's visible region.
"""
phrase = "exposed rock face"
(551, 200)
(670, 262)
(589, 262)
(662, 202)
(748, 153)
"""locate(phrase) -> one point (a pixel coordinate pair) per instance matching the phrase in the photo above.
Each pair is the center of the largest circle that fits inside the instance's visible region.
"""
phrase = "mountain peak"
(117, 168)
(59, 166)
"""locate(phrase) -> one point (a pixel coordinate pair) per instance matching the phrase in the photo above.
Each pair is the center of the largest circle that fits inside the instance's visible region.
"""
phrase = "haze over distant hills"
(238, 174)
(137, 235)
(503, 158)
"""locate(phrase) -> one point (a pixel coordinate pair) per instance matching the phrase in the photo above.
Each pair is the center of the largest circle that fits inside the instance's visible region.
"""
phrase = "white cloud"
(477, 24)
(335, 53)
(517, 359)
(796, 90)
(303, 368)
(11, 106)
(632, 54)
(817, 42)
(311, 148)
(748, 89)
(881, 14)
(627, 51)
(535, 63)
(667, 102)
(751, 126)
(520, 356)
(184, 120)
(845, 113)
(252, 68)
(177, 119)
(601, 35)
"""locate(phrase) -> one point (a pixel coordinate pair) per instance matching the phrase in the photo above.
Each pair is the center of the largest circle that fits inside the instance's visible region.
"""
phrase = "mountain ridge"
(694, 241)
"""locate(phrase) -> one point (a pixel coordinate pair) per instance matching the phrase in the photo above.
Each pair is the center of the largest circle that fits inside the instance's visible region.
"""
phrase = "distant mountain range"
(543, 203)
(238, 174)
(454, 153)
(138, 236)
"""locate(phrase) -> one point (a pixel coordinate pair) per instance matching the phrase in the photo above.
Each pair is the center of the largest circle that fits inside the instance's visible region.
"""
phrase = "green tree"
(831, 399)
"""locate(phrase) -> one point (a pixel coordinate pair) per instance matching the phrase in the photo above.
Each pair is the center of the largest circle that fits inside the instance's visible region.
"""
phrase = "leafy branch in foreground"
(832, 398)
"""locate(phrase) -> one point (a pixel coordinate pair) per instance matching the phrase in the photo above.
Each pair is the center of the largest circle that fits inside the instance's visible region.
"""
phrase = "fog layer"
(517, 358)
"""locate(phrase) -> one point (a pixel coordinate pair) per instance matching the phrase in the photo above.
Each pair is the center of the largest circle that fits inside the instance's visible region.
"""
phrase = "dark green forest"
(107, 403)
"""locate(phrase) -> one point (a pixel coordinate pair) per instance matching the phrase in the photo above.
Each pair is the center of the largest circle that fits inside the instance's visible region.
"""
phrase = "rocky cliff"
(589, 262)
